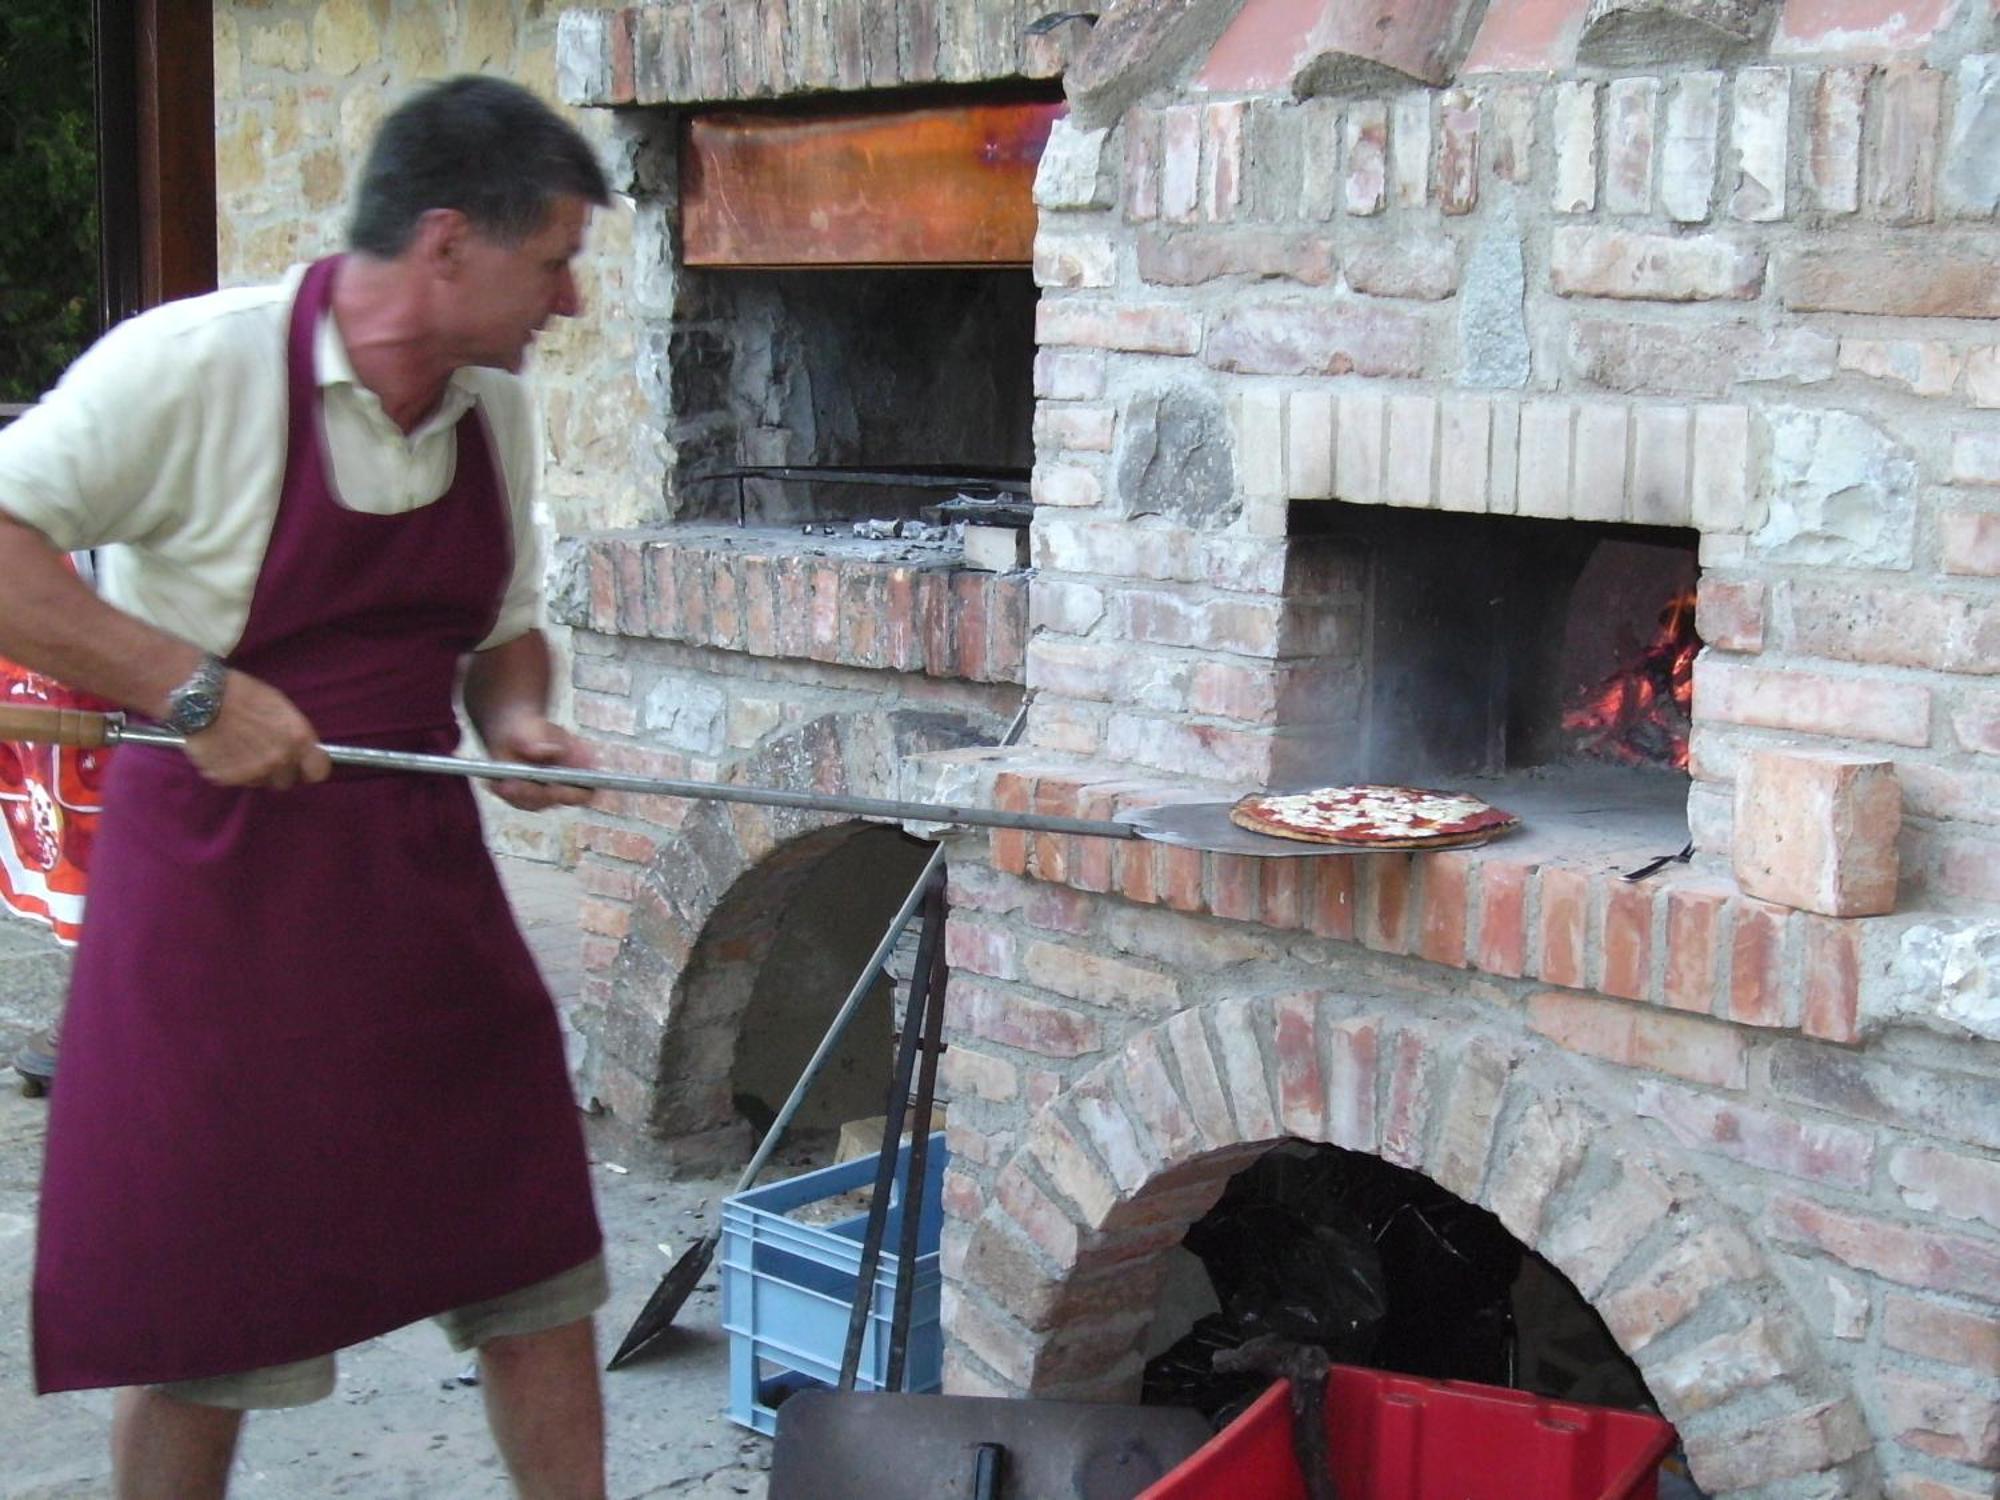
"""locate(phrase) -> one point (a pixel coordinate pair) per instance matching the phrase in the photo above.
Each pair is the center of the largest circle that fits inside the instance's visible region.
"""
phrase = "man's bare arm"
(50, 621)
(507, 699)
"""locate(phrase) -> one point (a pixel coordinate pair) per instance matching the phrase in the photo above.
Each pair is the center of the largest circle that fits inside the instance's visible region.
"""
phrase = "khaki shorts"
(563, 1298)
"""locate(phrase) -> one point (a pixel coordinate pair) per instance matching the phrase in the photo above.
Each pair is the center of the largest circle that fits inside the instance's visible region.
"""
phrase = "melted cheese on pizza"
(1382, 810)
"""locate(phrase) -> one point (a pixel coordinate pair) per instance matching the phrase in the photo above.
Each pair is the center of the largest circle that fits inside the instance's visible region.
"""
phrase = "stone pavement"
(400, 1426)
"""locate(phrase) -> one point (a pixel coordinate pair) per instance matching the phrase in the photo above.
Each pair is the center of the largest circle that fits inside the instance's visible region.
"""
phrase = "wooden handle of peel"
(56, 726)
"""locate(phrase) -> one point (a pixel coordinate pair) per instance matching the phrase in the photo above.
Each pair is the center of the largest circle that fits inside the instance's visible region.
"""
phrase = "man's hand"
(259, 739)
(532, 738)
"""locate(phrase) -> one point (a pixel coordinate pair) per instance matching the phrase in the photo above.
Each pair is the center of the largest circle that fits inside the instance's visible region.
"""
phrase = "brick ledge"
(1544, 908)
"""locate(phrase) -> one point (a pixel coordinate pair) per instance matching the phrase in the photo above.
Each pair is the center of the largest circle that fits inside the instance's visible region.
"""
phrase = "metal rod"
(896, 1106)
(915, 1183)
(659, 786)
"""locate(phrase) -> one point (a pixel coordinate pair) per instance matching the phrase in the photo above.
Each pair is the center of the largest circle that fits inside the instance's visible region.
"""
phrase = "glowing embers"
(1641, 713)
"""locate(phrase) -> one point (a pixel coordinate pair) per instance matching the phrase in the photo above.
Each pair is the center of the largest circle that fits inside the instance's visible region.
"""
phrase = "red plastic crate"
(1394, 1437)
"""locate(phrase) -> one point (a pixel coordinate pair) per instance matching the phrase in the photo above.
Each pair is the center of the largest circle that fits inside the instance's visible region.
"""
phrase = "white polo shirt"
(164, 445)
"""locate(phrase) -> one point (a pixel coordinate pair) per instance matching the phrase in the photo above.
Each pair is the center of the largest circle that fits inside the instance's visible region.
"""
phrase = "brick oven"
(1396, 373)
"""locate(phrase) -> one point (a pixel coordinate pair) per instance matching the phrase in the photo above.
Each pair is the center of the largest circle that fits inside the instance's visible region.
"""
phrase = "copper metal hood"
(937, 185)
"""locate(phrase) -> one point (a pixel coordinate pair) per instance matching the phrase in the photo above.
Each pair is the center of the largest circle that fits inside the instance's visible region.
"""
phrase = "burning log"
(1641, 714)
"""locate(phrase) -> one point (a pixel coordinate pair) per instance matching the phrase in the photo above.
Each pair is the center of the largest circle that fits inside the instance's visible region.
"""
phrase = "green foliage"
(48, 193)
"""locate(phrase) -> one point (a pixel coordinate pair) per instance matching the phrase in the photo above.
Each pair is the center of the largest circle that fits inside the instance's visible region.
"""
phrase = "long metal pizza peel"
(81, 729)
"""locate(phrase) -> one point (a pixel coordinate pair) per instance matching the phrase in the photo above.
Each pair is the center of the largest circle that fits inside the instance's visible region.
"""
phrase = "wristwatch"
(193, 706)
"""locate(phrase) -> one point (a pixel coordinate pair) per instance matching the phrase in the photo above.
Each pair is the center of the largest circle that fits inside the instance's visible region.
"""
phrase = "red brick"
(1317, 338)
(969, 628)
(1138, 880)
(1590, 262)
(603, 591)
(1295, 1049)
(1832, 979)
(1441, 916)
(610, 919)
(691, 587)
(980, 948)
(1959, 1187)
(1662, 1295)
(1180, 877)
(1089, 859)
(1048, 853)
(1329, 901)
(1583, 1023)
(794, 621)
(1841, 707)
(1902, 627)
(1054, 908)
(1237, 889)
(1950, 1335)
(1777, 1446)
(1406, 1113)
(1969, 543)
(629, 565)
(1503, 905)
(1185, 257)
(1907, 104)
(1945, 1421)
(1969, 867)
(1011, 793)
(1769, 1140)
(617, 843)
(1694, 919)
(1565, 926)
(1137, 328)
(1385, 902)
(1817, 829)
(1730, 616)
(1628, 941)
(1458, 152)
(1925, 1258)
(1350, 1085)
(1756, 951)
(1904, 277)
(1281, 892)
(1142, 165)
(1014, 1020)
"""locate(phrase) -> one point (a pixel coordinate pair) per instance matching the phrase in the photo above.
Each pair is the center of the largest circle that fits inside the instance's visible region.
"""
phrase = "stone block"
(1816, 830)
(1971, 178)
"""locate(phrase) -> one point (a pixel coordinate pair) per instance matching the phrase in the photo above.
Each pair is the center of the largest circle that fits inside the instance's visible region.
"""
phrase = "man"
(312, 1087)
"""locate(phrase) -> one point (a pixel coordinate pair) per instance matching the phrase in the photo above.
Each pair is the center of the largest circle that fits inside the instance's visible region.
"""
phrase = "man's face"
(508, 293)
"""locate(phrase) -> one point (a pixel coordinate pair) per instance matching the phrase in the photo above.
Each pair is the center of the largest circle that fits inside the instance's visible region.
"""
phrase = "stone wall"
(299, 90)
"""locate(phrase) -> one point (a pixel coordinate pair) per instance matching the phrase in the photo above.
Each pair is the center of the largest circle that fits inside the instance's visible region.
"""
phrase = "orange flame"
(1640, 715)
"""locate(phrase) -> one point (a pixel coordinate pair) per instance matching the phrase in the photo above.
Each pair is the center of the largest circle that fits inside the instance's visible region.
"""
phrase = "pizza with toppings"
(1373, 817)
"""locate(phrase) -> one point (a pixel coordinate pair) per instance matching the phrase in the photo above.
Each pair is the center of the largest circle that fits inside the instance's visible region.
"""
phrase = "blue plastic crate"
(787, 1287)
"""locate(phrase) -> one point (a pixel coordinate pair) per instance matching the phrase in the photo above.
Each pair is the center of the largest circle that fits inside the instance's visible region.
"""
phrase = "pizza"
(1373, 817)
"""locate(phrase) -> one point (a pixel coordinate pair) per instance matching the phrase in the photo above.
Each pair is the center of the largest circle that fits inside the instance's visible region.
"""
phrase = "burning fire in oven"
(1640, 714)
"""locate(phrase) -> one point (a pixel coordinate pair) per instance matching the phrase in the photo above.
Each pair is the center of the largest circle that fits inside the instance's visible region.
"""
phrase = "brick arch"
(706, 906)
(1061, 1268)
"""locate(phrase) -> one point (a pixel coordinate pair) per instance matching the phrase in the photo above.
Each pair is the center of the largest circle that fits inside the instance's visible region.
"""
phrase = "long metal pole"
(121, 732)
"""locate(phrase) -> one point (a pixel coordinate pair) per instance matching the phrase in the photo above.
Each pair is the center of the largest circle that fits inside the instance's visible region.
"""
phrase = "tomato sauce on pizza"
(1373, 817)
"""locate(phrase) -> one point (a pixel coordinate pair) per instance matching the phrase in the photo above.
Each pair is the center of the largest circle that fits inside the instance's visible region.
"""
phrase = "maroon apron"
(312, 1086)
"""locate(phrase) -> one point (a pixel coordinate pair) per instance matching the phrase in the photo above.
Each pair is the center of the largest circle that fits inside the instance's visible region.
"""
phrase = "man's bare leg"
(547, 1414)
(163, 1448)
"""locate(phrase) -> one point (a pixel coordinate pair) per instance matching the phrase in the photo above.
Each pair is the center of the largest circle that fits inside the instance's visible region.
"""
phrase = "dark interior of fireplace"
(1380, 1267)
(928, 372)
(1507, 643)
